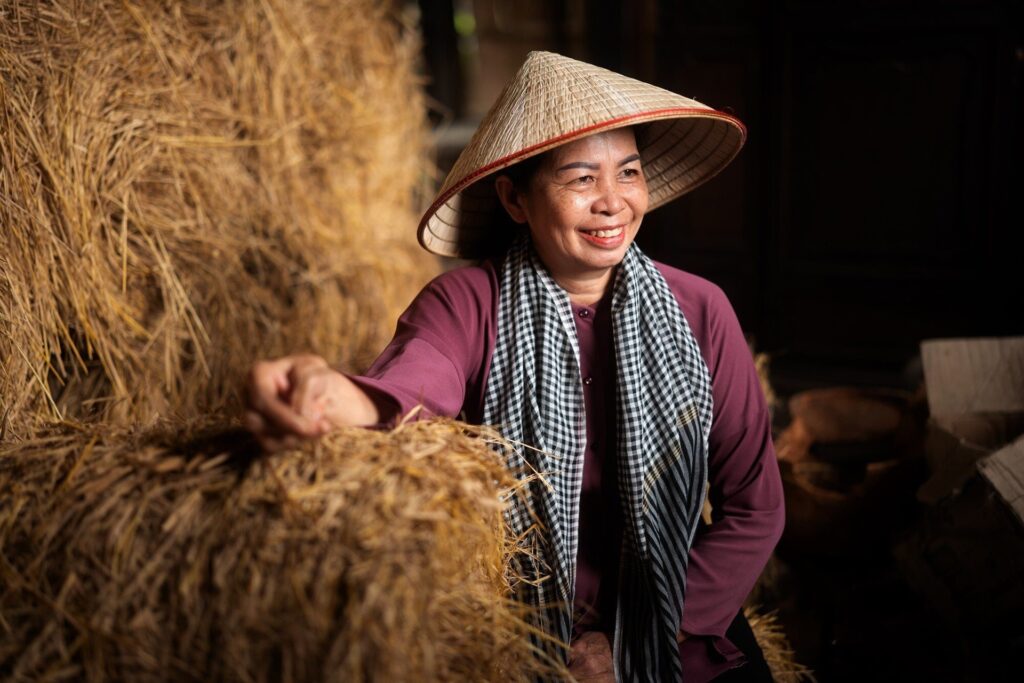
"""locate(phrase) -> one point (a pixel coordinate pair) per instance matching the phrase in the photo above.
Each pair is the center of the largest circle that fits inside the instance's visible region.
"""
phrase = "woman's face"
(583, 204)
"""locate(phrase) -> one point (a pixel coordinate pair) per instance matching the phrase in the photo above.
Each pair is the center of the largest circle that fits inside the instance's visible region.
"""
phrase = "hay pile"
(159, 556)
(185, 187)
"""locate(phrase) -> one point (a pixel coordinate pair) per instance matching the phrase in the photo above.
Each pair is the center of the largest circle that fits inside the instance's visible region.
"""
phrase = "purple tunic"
(440, 357)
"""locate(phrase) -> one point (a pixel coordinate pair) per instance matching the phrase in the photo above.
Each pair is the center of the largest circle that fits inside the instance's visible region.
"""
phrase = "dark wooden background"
(878, 200)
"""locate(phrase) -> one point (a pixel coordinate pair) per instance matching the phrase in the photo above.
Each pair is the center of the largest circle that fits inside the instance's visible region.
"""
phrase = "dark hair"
(521, 173)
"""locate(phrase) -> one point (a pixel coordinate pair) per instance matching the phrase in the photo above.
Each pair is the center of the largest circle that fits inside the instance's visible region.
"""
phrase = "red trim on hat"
(653, 115)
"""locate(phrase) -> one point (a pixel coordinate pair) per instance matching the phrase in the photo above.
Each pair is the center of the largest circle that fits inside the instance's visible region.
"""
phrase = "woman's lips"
(607, 237)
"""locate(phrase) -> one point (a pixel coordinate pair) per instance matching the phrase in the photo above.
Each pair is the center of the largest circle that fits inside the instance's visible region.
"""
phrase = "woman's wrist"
(350, 406)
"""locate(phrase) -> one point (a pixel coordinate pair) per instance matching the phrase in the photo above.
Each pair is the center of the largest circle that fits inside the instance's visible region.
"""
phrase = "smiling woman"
(628, 382)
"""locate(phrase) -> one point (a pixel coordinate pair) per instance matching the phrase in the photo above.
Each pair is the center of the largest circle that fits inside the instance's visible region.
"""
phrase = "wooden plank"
(974, 375)
(1004, 470)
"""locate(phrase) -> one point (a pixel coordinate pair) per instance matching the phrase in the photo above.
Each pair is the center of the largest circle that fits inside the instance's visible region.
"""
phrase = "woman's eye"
(584, 179)
(630, 172)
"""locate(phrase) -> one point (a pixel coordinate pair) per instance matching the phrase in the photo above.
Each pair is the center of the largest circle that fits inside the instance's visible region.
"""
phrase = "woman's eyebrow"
(594, 167)
(578, 164)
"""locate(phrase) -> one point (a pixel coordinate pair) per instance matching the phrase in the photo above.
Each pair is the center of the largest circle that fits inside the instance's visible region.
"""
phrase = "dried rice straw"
(777, 651)
(147, 556)
(185, 187)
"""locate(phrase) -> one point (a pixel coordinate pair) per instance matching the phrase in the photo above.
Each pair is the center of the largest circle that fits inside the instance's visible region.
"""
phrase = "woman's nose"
(610, 202)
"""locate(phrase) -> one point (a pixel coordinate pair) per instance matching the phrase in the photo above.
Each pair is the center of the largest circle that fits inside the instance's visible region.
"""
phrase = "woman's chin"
(604, 259)
(613, 251)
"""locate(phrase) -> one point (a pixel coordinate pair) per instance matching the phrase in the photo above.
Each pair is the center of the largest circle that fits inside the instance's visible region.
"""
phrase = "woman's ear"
(511, 198)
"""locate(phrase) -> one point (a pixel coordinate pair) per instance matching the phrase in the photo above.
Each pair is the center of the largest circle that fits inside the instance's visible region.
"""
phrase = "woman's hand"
(590, 658)
(294, 398)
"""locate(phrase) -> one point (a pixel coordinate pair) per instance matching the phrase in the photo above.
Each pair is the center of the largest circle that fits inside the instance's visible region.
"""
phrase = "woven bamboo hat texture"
(553, 100)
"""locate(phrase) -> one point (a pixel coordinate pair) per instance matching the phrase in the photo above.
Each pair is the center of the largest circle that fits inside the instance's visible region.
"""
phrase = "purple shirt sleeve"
(437, 357)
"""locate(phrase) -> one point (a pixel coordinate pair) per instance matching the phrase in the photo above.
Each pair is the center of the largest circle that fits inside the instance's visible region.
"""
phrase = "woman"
(630, 380)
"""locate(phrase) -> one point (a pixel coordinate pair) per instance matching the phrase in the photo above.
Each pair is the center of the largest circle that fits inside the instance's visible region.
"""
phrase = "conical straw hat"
(553, 100)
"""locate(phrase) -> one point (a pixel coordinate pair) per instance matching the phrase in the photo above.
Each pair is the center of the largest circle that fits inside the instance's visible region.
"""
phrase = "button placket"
(587, 317)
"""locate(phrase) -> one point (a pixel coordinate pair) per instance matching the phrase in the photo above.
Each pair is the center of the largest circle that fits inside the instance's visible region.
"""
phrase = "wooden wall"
(877, 202)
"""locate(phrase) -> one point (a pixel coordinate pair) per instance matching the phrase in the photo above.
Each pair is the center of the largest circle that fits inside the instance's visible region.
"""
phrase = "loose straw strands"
(152, 556)
(776, 648)
(185, 187)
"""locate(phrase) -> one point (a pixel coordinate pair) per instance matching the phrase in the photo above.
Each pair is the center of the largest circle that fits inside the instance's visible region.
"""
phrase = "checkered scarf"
(535, 395)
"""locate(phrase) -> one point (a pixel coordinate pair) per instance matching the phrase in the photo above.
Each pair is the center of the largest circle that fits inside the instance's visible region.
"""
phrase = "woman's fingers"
(272, 444)
(308, 395)
(330, 399)
(270, 385)
(301, 397)
(254, 422)
(269, 437)
(590, 658)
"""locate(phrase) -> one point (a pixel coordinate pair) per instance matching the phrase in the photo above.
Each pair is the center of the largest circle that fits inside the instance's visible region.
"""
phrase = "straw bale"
(165, 556)
(185, 187)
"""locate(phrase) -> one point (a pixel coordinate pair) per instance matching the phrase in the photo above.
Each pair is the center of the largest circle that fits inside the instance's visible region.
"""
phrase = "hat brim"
(680, 149)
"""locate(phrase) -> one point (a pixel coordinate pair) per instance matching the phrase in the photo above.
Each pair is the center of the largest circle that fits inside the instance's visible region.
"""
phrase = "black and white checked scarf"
(534, 395)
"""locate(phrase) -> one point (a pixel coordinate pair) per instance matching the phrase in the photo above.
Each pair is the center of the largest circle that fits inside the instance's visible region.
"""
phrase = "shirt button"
(584, 313)
(588, 380)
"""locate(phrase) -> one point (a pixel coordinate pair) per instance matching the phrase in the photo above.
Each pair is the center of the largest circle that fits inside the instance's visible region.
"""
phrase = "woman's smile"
(605, 238)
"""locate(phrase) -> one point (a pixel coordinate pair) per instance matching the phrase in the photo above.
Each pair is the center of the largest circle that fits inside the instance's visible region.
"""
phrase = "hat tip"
(535, 55)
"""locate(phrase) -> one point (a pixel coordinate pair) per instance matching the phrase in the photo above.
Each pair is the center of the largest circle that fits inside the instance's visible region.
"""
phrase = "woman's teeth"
(605, 233)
